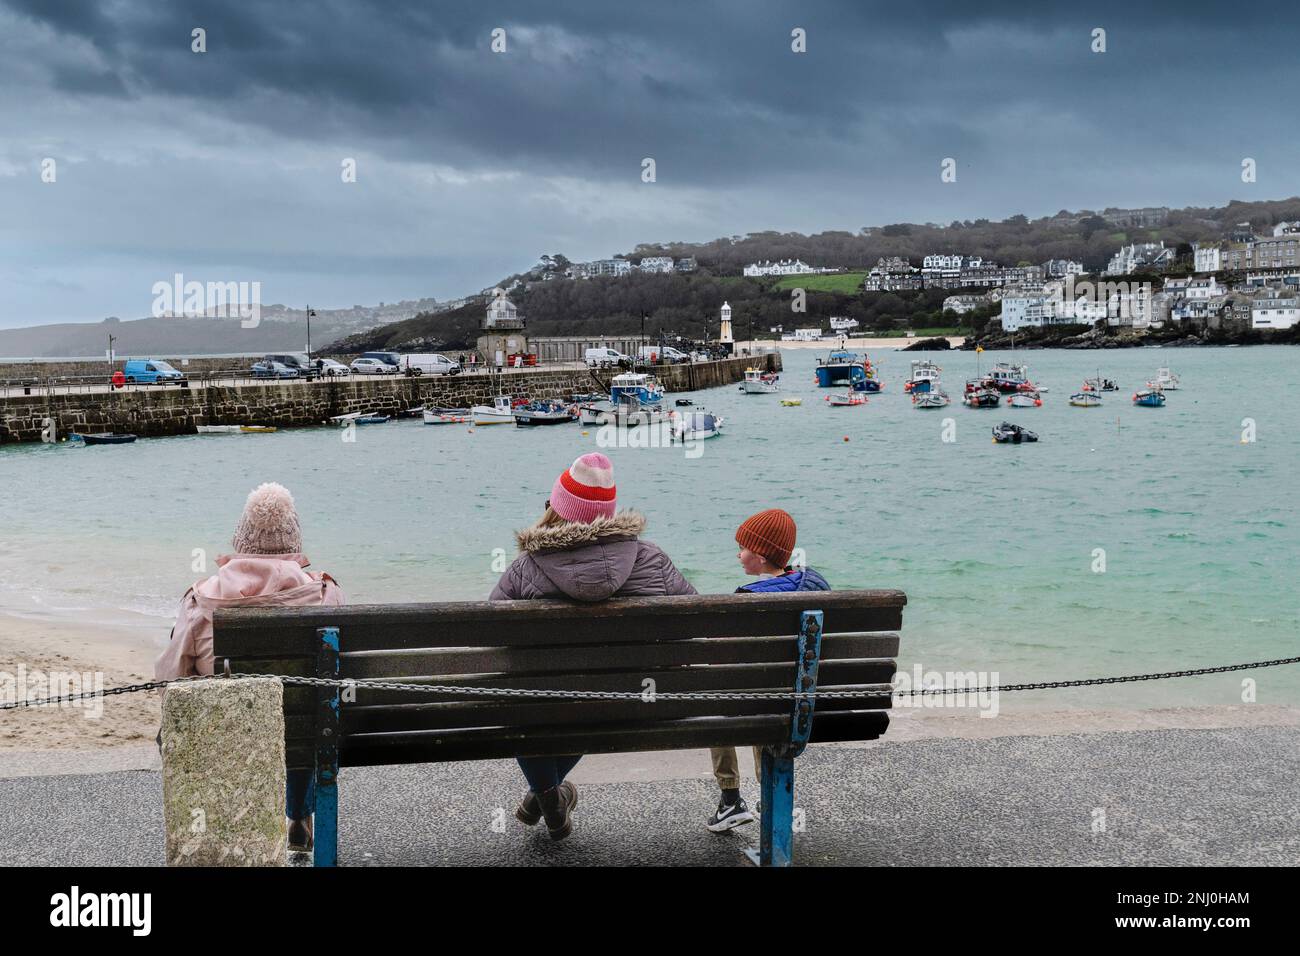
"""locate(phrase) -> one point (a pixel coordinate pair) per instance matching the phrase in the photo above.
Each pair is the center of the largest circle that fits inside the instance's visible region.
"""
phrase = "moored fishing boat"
(1006, 377)
(840, 368)
(106, 438)
(500, 412)
(930, 397)
(923, 373)
(1165, 380)
(639, 385)
(1011, 434)
(1100, 384)
(1149, 398)
(1085, 400)
(982, 397)
(544, 412)
(695, 425)
(372, 419)
(218, 429)
(759, 382)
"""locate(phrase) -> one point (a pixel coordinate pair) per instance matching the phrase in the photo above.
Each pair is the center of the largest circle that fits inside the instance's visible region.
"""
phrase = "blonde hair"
(550, 518)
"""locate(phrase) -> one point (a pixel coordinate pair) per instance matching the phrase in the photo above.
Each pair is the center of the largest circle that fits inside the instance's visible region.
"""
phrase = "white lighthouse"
(724, 328)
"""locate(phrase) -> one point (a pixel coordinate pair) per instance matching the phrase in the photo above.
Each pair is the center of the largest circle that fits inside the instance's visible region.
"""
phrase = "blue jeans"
(546, 773)
(299, 794)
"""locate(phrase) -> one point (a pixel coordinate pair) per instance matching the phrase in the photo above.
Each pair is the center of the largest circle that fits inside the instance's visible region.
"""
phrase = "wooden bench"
(841, 640)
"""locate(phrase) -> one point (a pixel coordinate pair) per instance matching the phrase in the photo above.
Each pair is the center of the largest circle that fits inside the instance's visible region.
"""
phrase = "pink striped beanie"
(586, 491)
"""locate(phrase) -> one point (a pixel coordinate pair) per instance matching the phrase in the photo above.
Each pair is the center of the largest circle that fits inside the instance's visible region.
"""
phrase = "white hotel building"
(786, 267)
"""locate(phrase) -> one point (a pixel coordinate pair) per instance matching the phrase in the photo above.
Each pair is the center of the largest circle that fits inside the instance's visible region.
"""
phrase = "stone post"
(223, 772)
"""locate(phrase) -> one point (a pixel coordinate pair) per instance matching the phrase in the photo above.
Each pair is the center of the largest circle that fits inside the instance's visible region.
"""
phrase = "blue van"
(151, 372)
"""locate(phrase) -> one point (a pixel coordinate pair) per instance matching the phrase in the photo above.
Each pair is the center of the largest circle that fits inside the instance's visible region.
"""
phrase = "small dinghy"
(791, 402)
(684, 403)
(447, 416)
(845, 400)
(1024, 400)
(218, 429)
(372, 419)
(1100, 384)
(1149, 398)
(107, 438)
(256, 429)
(696, 426)
(930, 398)
(1009, 434)
(1085, 400)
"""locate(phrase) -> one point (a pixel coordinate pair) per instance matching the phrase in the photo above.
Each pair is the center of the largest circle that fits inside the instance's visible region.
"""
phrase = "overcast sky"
(226, 165)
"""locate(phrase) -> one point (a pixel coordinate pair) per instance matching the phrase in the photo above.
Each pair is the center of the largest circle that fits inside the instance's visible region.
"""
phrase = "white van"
(428, 364)
(667, 354)
(604, 357)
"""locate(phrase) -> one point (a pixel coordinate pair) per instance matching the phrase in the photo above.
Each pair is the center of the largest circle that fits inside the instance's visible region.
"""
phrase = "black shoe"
(729, 815)
(529, 810)
(300, 836)
(557, 807)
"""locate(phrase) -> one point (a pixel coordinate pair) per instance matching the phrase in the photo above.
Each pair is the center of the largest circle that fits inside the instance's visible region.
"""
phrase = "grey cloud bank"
(225, 165)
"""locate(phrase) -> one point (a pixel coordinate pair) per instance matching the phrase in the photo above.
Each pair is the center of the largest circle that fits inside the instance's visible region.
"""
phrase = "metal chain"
(868, 690)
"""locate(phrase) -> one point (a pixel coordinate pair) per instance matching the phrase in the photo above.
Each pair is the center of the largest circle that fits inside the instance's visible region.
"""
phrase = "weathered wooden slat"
(588, 658)
(703, 678)
(525, 713)
(291, 631)
(486, 744)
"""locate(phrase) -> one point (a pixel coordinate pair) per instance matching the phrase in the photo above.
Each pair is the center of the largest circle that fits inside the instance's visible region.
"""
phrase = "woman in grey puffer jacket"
(582, 550)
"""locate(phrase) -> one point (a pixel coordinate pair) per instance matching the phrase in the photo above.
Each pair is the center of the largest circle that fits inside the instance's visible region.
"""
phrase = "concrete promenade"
(1198, 787)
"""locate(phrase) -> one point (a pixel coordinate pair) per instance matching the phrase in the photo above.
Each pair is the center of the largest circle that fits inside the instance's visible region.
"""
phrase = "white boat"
(759, 382)
(930, 398)
(1024, 400)
(595, 413)
(1085, 400)
(498, 413)
(923, 370)
(219, 429)
(695, 426)
(447, 416)
(1165, 380)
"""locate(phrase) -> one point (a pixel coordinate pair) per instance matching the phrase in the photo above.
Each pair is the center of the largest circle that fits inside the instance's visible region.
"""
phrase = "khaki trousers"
(726, 766)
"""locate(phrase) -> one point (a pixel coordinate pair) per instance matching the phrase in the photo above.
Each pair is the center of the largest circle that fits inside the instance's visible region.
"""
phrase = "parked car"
(151, 372)
(388, 358)
(605, 357)
(429, 364)
(667, 355)
(305, 367)
(372, 366)
(267, 369)
(330, 368)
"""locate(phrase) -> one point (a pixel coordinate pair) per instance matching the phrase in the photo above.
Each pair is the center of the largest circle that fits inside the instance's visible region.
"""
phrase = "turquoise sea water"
(995, 545)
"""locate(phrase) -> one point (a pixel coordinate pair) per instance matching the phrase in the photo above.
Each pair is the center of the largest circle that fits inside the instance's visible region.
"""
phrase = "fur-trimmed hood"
(565, 537)
(589, 562)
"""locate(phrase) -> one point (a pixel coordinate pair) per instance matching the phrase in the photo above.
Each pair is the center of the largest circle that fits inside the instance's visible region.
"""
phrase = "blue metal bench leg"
(776, 823)
(325, 836)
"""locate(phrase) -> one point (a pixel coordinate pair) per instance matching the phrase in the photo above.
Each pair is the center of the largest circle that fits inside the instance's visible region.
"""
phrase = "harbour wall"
(156, 410)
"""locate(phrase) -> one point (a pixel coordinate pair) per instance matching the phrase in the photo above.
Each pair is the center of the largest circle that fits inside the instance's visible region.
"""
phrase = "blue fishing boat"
(843, 368)
(644, 388)
(1149, 398)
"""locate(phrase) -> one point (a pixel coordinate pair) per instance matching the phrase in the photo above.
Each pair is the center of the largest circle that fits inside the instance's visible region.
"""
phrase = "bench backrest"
(725, 642)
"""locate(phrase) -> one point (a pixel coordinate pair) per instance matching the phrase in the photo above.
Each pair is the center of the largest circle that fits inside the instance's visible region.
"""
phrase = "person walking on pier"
(584, 550)
(767, 542)
(268, 569)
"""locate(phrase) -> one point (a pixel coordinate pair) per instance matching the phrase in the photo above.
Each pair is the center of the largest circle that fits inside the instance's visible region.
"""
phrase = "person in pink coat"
(267, 569)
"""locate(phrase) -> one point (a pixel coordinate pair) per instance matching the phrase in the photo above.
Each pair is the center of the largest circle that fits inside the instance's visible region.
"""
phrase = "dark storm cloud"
(472, 163)
(711, 90)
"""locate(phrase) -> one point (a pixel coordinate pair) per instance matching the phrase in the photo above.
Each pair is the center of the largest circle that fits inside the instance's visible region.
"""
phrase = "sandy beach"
(861, 344)
(122, 654)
